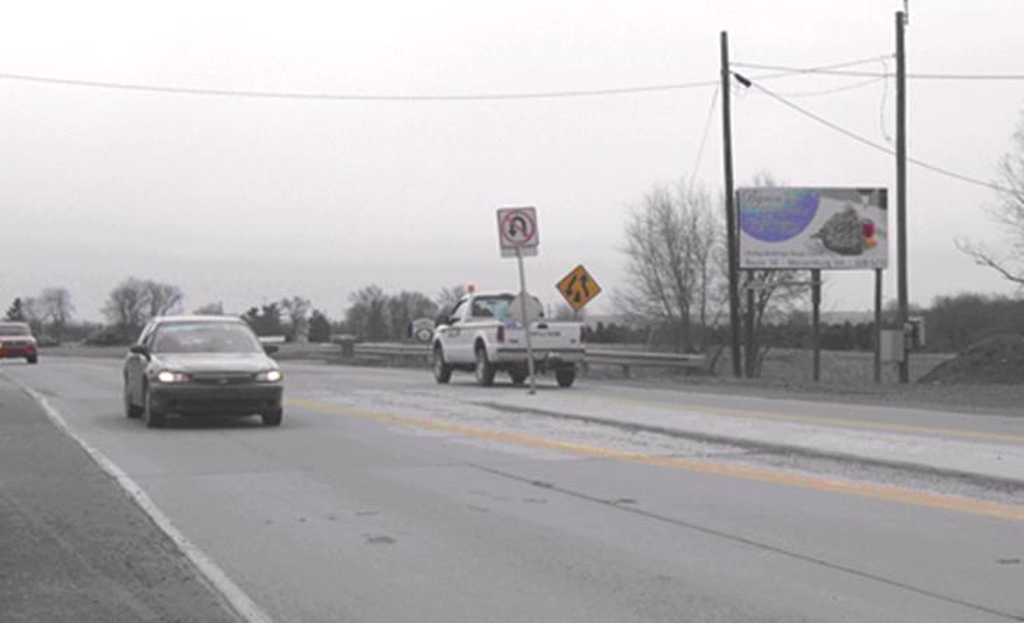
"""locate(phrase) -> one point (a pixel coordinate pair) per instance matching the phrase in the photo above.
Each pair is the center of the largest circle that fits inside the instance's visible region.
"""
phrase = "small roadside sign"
(578, 287)
(517, 231)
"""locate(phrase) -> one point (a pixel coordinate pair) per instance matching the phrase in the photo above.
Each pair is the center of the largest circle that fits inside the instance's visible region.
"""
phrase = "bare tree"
(161, 298)
(448, 297)
(56, 307)
(366, 315)
(210, 309)
(32, 311)
(134, 301)
(671, 240)
(126, 307)
(297, 310)
(403, 308)
(1009, 213)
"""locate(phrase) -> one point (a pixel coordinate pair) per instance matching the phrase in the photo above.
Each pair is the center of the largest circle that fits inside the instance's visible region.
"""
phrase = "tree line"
(372, 315)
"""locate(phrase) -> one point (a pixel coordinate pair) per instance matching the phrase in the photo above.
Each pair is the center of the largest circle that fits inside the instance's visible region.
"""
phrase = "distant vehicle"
(483, 334)
(201, 365)
(16, 341)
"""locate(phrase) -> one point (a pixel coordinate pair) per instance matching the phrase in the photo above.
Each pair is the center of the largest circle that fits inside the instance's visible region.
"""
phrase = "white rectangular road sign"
(517, 231)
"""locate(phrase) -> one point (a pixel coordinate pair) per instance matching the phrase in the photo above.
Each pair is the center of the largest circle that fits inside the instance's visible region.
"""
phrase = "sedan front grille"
(222, 379)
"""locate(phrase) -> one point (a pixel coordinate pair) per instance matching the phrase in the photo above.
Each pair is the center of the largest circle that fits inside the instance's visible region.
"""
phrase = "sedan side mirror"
(270, 349)
(139, 349)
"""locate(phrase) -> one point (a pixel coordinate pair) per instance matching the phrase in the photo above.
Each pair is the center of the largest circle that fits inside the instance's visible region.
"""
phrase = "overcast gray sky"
(249, 200)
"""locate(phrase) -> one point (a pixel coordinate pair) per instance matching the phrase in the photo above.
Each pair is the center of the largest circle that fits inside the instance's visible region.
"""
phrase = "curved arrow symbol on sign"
(517, 226)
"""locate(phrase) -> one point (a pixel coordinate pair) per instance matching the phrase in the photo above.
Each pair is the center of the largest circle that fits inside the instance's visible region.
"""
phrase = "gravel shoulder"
(75, 547)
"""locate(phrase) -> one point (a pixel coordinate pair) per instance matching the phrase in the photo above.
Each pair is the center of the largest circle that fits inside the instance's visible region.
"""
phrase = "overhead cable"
(833, 71)
(372, 97)
(704, 138)
(878, 146)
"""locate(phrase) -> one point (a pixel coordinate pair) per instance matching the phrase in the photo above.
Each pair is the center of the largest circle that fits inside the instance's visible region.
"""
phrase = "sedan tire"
(131, 410)
(273, 418)
(153, 419)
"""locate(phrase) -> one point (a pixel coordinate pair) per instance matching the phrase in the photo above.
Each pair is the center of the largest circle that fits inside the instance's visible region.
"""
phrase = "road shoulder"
(76, 547)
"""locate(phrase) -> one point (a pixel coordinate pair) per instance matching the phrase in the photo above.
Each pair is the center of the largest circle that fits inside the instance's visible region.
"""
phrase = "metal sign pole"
(526, 321)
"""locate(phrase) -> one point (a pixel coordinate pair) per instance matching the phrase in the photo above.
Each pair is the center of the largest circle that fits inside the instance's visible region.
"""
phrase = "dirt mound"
(995, 360)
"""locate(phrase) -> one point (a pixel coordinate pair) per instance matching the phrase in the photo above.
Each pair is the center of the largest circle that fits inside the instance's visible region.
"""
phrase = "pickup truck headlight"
(170, 376)
(269, 376)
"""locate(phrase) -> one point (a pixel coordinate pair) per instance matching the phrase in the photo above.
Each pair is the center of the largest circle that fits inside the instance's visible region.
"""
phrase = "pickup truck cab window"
(492, 306)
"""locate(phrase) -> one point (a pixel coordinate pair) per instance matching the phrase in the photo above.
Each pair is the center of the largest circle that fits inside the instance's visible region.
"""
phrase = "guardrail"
(630, 359)
(627, 360)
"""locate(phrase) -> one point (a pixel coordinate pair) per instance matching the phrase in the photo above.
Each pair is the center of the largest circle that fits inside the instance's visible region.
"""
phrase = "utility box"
(915, 333)
(893, 346)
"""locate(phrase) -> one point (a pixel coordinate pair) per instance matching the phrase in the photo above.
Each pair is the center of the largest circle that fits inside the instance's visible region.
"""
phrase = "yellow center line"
(952, 433)
(871, 491)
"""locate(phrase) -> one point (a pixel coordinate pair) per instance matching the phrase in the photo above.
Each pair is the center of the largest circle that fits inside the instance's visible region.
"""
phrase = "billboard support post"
(750, 352)
(816, 320)
(878, 325)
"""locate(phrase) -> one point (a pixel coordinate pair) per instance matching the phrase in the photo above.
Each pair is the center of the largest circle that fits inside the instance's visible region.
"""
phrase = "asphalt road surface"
(385, 497)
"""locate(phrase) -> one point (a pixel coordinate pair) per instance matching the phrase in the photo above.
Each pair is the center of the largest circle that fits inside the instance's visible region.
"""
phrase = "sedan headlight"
(169, 376)
(269, 376)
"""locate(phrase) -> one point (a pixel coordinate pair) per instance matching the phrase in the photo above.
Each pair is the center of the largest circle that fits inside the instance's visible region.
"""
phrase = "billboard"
(826, 228)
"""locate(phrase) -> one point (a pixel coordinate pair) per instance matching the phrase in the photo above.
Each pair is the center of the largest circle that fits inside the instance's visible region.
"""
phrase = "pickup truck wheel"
(484, 369)
(442, 371)
(565, 377)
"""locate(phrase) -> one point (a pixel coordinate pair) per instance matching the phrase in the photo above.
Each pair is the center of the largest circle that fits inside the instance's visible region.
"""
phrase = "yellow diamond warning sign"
(578, 287)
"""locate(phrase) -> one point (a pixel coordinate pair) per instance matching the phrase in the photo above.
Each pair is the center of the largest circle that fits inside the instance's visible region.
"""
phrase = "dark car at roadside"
(201, 366)
(16, 341)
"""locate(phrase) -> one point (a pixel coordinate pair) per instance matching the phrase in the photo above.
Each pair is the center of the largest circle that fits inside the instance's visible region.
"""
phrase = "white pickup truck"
(483, 333)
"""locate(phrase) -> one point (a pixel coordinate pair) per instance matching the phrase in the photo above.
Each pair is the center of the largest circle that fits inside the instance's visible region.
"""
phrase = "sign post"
(518, 236)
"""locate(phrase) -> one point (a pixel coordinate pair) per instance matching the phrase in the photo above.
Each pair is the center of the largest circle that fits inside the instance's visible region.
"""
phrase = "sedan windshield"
(14, 329)
(205, 337)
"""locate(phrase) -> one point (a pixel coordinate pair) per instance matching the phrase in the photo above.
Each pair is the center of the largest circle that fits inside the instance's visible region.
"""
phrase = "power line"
(704, 138)
(833, 71)
(883, 148)
(358, 97)
(849, 87)
(400, 97)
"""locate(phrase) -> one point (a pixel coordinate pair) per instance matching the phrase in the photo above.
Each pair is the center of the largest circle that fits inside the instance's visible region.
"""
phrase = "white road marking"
(235, 597)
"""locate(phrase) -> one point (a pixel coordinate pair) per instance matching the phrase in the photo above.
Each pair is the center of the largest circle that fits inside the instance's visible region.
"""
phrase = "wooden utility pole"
(730, 212)
(901, 189)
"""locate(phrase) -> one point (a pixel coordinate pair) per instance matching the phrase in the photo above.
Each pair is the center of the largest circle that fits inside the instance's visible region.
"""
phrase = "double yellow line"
(871, 491)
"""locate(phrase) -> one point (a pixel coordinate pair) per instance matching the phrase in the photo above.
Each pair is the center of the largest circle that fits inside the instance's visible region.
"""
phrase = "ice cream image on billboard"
(847, 233)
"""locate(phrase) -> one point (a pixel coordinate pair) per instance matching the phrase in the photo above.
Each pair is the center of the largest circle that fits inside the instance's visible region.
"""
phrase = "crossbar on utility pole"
(730, 213)
(901, 189)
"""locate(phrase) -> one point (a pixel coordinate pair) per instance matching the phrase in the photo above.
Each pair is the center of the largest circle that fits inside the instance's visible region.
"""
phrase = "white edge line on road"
(241, 603)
